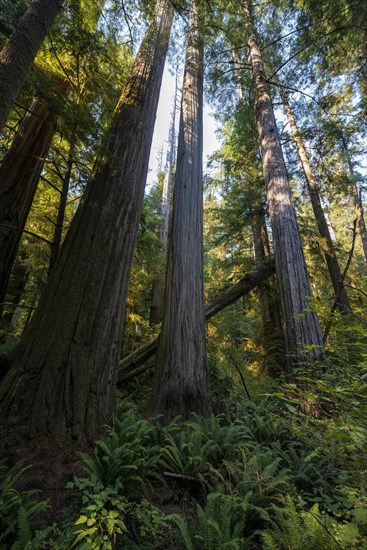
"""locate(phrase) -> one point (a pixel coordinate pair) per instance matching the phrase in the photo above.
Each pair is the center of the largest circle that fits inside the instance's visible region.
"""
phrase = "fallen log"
(134, 364)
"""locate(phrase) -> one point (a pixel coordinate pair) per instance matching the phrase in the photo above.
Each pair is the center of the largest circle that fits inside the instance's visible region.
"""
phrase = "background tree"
(330, 256)
(64, 97)
(18, 54)
(300, 325)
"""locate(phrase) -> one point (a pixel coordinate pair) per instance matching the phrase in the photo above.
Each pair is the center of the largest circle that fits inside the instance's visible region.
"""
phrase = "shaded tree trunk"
(156, 310)
(322, 224)
(181, 380)
(57, 238)
(269, 299)
(18, 54)
(261, 251)
(300, 327)
(133, 364)
(62, 383)
(19, 176)
(16, 288)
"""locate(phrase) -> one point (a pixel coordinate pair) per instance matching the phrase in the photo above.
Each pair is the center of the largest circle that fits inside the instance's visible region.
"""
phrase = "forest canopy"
(183, 364)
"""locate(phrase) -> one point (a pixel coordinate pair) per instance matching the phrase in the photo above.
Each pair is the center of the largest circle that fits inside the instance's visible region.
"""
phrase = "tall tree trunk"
(57, 238)
(16, 289)
(62, 383)
(302, 333)
(19, 176)
(22, 166)
(130, 365)
(181, 381)
(18, 54)
(322, 224)
(261, 251)
(269, 298)
(357, 195)
(156, 310)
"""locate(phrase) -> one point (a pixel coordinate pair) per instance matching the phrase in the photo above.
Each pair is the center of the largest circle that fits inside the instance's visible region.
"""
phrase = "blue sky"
(162, 126)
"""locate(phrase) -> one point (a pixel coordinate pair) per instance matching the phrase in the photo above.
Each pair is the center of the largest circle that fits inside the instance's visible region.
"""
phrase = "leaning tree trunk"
(131, 365)
(181, 381)
(18, 54)
(19, 175)
(62, 383)
(329, 251)
(302, 333)
(22, 167)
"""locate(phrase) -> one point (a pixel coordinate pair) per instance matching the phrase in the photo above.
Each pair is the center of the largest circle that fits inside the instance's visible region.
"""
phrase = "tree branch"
(134, 364)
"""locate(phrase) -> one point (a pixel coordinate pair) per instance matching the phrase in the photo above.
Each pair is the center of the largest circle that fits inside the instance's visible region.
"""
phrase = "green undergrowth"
(262, 474)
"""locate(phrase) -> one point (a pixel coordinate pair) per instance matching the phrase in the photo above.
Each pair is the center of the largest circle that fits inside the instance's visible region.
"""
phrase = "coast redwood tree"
(158, 284)
(19, 176)
(181, 381)
(301, 327)
(329, 250)
(22, 165)
(18, 54)
(62, 383)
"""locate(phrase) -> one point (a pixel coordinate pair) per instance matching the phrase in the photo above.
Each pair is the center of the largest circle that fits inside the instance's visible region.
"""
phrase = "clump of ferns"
(218, 524)
(297, 528)
(258, 478)
(262, 421)
(313, 473)
(199, 448)
(19, 511)
(126, 459)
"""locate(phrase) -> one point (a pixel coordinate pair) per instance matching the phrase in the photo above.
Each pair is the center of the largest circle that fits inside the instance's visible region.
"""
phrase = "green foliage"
(19, 511)
(220, 524)
(10, 12)
(101, 522)
(126, 459)
(299, 529)
(148, 528)
(199, 447)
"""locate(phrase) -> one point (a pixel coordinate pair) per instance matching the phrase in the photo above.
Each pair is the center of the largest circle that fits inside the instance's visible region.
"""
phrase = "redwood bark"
(300, 327)
(156, 310)
(261, 251)
(18, 54)
(329, 252)
(56, 241)
(62, 383)
(131, 365)
(269, 297)
(15, 292)
(19, 175)
(181, 380)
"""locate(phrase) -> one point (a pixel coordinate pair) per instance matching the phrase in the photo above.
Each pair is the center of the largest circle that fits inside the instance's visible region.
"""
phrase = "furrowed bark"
(19, 176)
(56, 241)
(181, 380)
(302, 333)
(131, 365)
(18, 54)
(62, 384)
(328, 248)
(156, 310)
(15, 291)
